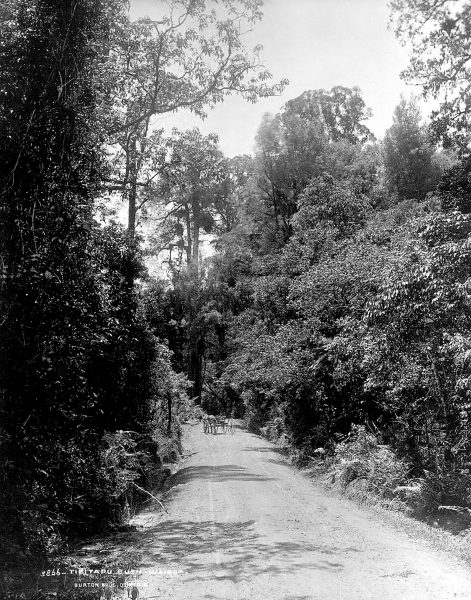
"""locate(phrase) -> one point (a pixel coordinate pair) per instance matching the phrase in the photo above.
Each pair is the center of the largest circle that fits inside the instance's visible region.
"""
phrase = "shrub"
(255, 412)
(274, 430)
(441, 489)
(361, 457)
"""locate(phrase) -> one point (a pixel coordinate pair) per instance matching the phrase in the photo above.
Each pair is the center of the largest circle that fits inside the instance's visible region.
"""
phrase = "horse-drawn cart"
(211, 424)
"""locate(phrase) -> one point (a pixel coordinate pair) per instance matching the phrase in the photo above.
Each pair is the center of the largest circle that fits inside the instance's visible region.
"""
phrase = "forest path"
(245, 525)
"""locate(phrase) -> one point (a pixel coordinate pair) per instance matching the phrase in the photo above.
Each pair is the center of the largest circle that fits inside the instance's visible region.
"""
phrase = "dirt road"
(245, 525)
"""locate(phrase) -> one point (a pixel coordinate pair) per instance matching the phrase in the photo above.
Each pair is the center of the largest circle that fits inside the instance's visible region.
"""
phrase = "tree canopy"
(438, 34)
(408, 160)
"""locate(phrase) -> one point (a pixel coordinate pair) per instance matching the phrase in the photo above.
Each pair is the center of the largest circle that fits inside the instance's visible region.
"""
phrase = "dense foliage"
(338, 297)
(332, 312)
(78, 364)
(89, 400)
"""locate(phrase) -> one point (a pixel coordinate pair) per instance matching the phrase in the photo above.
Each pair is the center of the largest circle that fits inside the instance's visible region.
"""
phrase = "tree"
(341, 111)
(438, 33)
(77, 362)
(195, 177)
(51, 169)
(195, 186)
(274, 178)
(408, 154)
(191, 57)
(419, 345)
(317, 132)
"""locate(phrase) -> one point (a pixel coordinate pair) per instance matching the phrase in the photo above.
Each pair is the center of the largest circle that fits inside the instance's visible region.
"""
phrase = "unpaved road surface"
(244, 525)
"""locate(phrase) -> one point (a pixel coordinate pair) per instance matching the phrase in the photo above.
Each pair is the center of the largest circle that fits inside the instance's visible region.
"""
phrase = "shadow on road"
(274, 449)
(216, 473)
(281, 462)
(192, 546)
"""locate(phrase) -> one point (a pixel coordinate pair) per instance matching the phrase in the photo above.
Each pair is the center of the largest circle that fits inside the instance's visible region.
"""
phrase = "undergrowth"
(373, 473)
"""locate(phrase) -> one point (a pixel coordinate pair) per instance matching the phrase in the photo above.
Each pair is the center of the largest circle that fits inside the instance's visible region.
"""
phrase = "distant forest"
(335, 302)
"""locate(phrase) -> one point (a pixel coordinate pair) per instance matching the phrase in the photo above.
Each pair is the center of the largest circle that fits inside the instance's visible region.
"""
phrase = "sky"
(315, 44)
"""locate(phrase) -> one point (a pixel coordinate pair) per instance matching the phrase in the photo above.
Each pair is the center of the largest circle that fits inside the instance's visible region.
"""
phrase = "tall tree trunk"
(188, 234)
(196, 231)
(169, 408)
(135, 159)
(195, 365)
(196, 247)
(132, 197)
